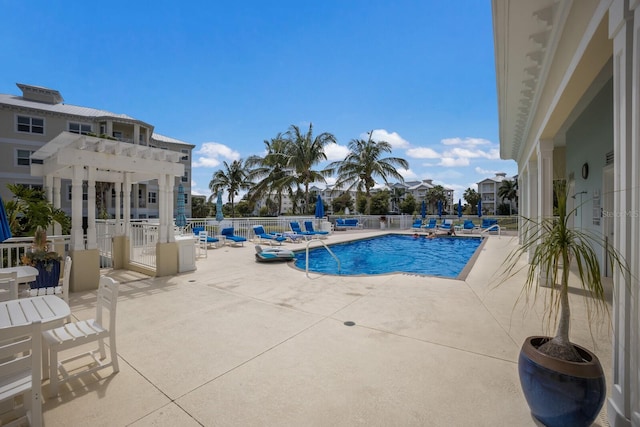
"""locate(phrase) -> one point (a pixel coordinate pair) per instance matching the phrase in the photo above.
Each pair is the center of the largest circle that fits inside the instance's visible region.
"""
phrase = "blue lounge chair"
(308, 225)
(210, 239)
(228, 235)
(447, 224)
(431, 224)
(295, 227)
(263, 235)
(417, 224)
(348, 223)
(468, 226)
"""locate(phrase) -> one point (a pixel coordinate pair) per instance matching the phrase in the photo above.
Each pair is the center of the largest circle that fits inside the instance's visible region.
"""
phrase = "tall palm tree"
(508, 190)
(472, 197)
(436, 194)
(303, 153)
(271, 170)
(363, 163)
(233, 178)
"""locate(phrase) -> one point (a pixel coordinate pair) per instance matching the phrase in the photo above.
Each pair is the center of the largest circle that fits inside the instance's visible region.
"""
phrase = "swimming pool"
(394, 253)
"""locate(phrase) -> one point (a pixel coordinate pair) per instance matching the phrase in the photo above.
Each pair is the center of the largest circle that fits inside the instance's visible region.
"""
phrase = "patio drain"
(192, 280)
(349, 323)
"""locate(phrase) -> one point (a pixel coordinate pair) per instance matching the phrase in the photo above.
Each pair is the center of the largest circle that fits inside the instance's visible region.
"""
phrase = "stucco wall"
(588, 140)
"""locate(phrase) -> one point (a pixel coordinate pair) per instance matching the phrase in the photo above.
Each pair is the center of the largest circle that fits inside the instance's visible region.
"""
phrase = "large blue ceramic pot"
(48, 275)
(561, 393)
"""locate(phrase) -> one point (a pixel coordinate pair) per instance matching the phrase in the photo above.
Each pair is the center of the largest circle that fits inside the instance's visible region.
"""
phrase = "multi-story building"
(30, 121)
(488, 191)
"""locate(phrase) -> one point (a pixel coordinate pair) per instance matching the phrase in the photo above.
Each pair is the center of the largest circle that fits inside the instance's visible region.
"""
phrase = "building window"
(85, 189)
(31, 186)
(185, 177)
(152, 197)
(23, 157)
(81, 128)
(186, 199)
(186, 154)
(117, 134)
(30, 124)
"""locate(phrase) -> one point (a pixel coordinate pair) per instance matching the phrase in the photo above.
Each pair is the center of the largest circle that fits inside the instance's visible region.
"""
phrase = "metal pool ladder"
(330, 252)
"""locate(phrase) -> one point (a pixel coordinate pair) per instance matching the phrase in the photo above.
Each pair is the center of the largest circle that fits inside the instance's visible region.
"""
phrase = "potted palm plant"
(46, 261)
(563, 382)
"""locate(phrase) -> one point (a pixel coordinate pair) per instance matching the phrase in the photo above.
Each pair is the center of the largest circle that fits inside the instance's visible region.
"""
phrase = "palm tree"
(363, 163)
(232, 178)
(508, 190)
(303, 153)
(472, 197)
(271, 170)
(436, 194)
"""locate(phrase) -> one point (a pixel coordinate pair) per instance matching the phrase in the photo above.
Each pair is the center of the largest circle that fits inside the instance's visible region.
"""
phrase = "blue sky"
(225, 76)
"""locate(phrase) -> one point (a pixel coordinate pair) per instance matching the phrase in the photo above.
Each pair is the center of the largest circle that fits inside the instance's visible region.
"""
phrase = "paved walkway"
(239, 343)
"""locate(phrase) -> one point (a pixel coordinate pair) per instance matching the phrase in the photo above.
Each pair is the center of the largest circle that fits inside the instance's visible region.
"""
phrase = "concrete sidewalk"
(240, 343)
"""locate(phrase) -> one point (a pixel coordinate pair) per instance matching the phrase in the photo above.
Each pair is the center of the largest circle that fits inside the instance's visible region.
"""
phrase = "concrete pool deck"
(241, 343)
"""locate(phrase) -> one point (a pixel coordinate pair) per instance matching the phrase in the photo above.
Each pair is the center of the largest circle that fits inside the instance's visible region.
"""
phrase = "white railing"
(142, 244)
(11, 250)
(105, 230)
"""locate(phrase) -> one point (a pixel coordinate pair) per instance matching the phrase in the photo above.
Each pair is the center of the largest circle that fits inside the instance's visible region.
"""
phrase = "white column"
(624, 380)
(56, 190)
(545, 178)
(126, 203)
(632, 289)
(48, 187)
(92, 234)
(532, 198)
(523, 202)
(77, 236)
(162, 208)
(117, 212)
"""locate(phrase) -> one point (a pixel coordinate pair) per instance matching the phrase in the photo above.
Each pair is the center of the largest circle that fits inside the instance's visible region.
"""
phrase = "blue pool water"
(394, 253)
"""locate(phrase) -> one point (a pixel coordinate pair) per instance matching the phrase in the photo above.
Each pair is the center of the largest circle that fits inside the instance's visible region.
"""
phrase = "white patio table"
(49, 309)
(25, 273)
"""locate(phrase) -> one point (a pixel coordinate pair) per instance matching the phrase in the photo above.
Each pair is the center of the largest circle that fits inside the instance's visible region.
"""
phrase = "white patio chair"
(62, 290)
(86, 331)
(8, 286)
(20, 374)
(203, 243)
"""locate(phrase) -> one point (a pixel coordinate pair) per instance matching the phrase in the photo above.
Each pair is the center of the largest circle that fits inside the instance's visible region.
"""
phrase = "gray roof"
(74, 110)
(162, 138)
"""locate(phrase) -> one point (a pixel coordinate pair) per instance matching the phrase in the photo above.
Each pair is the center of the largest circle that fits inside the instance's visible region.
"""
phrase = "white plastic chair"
(62, 290)
(86, 331)
(9, 286)
(20, 374)
(203, 243)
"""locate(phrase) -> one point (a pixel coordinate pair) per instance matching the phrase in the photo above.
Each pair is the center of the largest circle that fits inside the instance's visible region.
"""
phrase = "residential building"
(488, 190)
(568, 79)
(29, 121)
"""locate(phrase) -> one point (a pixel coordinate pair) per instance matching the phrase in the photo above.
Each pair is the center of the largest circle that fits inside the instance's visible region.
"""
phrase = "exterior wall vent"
(608, 158)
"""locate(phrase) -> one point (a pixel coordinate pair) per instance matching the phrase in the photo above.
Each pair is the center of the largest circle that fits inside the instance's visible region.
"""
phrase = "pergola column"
(92, 235)
(77, 236)
(117, 212)
(126, 202)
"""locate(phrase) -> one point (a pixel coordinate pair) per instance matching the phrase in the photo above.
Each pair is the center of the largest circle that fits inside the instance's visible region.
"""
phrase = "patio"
(241, 343)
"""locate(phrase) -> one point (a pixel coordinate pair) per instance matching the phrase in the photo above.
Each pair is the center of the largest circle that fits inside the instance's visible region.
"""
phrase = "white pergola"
(82, 158)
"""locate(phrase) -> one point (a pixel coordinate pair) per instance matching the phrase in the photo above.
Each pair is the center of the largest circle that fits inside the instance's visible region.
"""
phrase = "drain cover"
(191, 281)
(349, 323)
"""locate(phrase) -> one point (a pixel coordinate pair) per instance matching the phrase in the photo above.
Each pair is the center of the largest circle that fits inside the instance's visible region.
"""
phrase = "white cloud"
(466, 142)
(335, 152)
(481, 171)
(212, 153)
(407, 174)
(392, 138)
(451, 161)
(422, 153)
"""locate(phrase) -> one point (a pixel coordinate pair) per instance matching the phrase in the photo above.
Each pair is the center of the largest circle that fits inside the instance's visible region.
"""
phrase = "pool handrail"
(307, 255)
(494, 227)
